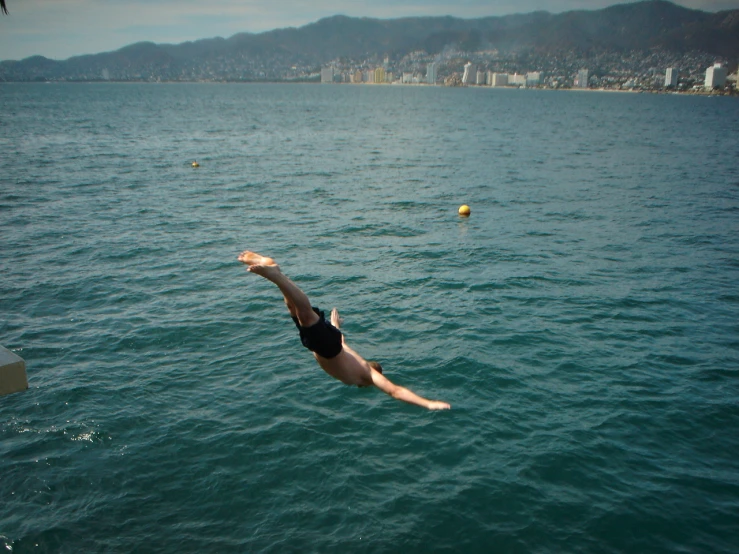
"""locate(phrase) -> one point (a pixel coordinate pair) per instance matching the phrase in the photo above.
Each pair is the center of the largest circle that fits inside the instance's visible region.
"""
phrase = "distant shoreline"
(732, 93)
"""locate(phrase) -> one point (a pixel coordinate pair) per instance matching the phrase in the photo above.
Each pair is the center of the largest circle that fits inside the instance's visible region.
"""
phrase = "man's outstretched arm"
(402, 393)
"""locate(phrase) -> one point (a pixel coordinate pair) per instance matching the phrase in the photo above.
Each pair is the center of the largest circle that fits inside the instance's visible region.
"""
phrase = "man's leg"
(296, 300)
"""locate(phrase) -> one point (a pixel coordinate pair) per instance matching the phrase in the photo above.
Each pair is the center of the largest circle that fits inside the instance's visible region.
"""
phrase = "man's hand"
(336, 320)
(438, 405)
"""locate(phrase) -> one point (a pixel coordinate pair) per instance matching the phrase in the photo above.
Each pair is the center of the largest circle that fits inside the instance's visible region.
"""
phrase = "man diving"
(326, 341)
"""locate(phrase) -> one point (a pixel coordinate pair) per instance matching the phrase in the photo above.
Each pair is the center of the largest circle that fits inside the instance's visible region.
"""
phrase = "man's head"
(376, 366)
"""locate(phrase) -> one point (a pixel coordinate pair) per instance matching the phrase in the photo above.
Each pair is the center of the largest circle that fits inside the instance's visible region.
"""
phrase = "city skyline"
(714, 78)
(65, 28)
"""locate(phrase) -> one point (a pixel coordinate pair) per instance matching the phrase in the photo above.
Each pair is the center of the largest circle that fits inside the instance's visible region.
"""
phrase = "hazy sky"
(59, 29)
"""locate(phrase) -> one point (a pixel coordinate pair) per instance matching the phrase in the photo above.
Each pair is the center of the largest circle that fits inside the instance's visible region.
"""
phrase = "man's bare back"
(336, 358)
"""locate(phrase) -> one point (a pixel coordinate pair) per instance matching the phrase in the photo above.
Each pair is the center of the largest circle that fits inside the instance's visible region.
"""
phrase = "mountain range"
(653, 25)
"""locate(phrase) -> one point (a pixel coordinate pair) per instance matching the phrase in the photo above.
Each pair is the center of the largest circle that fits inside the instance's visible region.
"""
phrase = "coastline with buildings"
(715, 80)
(638, 46)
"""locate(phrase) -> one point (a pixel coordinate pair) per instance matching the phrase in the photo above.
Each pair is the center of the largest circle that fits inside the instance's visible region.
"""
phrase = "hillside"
(289, 53)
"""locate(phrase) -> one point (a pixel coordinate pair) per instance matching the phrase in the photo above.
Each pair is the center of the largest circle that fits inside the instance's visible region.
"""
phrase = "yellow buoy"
(195, 164)
(464, 210)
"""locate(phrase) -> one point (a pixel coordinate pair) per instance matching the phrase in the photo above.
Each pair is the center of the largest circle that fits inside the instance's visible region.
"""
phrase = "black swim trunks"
(322, 338)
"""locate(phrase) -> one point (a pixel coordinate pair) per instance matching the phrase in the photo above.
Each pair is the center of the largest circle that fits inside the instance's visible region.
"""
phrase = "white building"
(581, 81)
(500, 80)
(715, 77)
(517, 80)
(327, 74)
(533, 79)
(480, 78)
(671, 77)
(470, 73)
(431, 73)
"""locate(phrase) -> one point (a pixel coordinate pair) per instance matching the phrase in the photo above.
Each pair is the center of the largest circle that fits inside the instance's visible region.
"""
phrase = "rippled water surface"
(583, 322)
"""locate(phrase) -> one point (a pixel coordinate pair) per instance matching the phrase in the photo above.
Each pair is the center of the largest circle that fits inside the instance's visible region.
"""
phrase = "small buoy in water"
(195, 164)
(464, 210)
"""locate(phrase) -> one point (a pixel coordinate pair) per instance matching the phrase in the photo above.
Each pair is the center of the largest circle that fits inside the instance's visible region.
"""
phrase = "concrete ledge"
(12, 372)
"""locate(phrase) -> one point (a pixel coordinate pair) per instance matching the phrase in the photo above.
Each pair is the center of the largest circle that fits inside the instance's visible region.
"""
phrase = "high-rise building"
(581, 81)
(500, 79)
(533, 79)
(431, 73)
(470, 73)
(517, 80)
(480, 77)
(715, 77)
(380, 75)
(327, 74)
(671, 77)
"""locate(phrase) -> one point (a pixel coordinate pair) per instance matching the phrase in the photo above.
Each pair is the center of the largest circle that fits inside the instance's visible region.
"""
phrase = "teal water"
(583, 322)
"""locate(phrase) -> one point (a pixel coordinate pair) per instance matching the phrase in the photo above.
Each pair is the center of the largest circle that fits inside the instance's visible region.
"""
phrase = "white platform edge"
(12, 372)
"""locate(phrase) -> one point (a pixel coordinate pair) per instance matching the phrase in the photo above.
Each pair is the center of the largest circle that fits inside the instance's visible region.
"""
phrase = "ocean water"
(583, 322)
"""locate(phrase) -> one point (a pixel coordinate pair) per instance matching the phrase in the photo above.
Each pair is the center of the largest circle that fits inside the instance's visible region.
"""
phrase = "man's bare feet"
(252, 258)
(261, 265)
